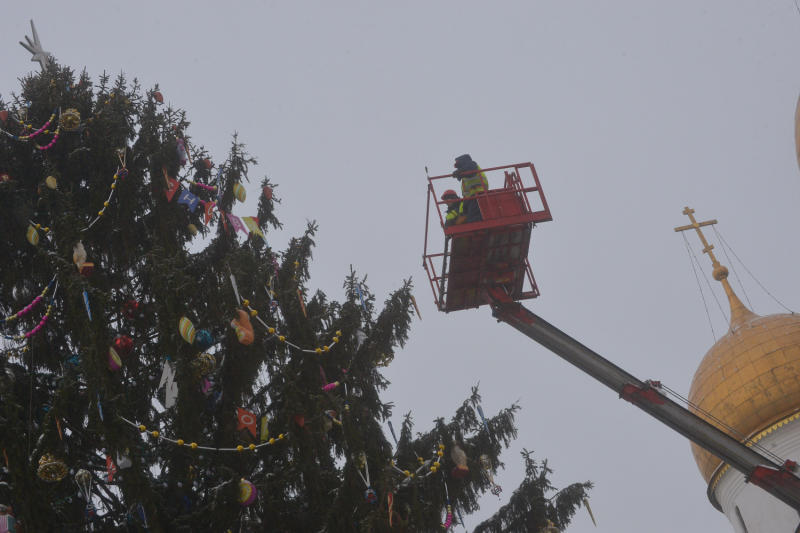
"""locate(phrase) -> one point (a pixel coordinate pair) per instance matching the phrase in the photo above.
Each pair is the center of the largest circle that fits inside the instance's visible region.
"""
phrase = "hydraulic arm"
(777, 479)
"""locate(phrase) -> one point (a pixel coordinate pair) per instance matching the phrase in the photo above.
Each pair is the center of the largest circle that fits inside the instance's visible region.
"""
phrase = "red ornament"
(159, 97)
(3, 116)
(247, 420)
(300, 420)
(207, 163)
(130, 309)
(123, 344)
(86, 269)
(459, 472)
(268, 192)
(4, 177)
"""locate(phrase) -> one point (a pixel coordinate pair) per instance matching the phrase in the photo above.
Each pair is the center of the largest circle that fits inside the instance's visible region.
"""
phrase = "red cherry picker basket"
(492, 252)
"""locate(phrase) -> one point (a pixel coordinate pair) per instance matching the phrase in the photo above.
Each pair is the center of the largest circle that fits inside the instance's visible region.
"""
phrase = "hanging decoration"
(121, 173)
(448, 519)
(264, 434)
(170, 386)
(42, 321)
(180, 148)
(111, 468)
(51, 469)
(239, 191)
(8, 522)
(194, 446)
(247, 492)
(130, 309)
(589, 509)
(123, 344)
(28, 308)
(486, 465)
(114, 360)
(461, 470)
(203, 364)
(51, 182)
(186, 329)
(267, 192)
(172, 184)
(83, 478)
(243, 328)
(70, 120)
(30, 136)
(188, 199)
(246, 420)
(370, 496)
(32, 235)
(192, 229)
(203, 339)
(86, 304)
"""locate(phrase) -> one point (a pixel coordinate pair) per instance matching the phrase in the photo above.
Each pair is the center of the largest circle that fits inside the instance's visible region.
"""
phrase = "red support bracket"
(638, 395)
(766, 477)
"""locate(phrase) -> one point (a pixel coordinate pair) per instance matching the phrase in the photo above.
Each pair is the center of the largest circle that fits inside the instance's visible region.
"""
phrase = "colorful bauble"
(247, 492)
(32, 235)
(159, 97)
(243, 328)
(70, 120)
(114, 360)
(51, 182)
(192, 229)
(203, 339)
(370, 495)
(239, 191)
(123, 344)
(186, 328)
(8, 522)
(51, 469)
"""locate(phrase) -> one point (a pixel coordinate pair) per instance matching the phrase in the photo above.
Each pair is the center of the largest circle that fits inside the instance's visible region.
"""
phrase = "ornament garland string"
(194, 446)
(273, 332)
(43, 129)
(41, 323)
(121, 173)
(27, 309)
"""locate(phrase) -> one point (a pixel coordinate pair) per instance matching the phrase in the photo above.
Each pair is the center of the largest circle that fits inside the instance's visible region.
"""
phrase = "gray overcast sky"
(630, 111)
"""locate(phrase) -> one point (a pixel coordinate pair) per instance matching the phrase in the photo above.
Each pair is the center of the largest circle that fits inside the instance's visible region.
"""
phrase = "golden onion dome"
(749, 379)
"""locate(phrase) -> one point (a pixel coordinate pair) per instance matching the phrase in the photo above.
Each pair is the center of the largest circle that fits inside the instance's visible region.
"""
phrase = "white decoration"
(170, 387)
(35, 48)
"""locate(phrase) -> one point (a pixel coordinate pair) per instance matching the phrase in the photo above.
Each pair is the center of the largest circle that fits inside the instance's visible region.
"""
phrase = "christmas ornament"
(130, 309)
(243, 328)
(111, 468)
(51, 182)
(114, 360)
(264, 434)
(83, 478)
(159, 97)
(181, 150)
(207, 163)
(247, 420)
(458, 456)
(239, 191)
(188, 199)
(267, 192)
(192, 229)
(186, 329)
(170, 387)
(123, 459)
(589, 509)
(78, 255)
(203, 364)
(32, 235)
(37, 51)
(360, 338)
(51, 469)
(203, 339)
(4, 116)
(123, 345)
(8, 523)
(4, 177)
(300, 420)
(247, 492)
(370, 495)
(70, 120)
(486, 464)
(86, 304)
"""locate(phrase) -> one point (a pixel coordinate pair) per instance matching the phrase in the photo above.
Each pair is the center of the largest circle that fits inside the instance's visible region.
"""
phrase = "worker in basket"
(473, 182)
(455, 208)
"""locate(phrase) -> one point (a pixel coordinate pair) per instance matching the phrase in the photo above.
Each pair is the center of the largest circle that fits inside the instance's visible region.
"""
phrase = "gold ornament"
(70, 119)
(204, 364)
(51, 469)
(192, 229)
(51, 182)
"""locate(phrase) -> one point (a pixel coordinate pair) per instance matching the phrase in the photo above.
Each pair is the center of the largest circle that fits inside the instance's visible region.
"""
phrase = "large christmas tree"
(165, 369)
